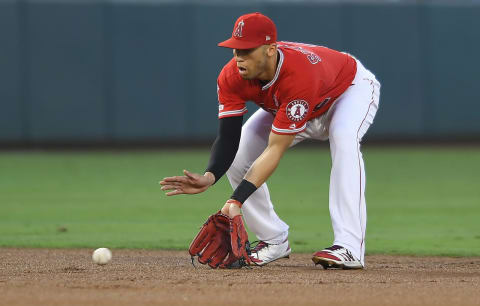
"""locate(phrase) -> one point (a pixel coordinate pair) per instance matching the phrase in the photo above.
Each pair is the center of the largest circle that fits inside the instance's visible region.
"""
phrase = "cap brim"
(234, 43)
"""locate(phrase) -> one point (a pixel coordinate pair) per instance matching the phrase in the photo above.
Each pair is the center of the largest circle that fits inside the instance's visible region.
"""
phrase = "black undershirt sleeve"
(225, 146)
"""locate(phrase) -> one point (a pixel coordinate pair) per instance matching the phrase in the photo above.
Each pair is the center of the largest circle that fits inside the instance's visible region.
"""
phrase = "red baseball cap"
(251, 31)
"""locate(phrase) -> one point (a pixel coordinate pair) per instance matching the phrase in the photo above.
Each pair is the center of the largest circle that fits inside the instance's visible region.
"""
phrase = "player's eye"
(242, 52)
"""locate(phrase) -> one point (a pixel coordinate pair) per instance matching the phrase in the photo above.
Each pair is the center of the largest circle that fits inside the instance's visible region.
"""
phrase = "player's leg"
(258, 211)
(352, 115)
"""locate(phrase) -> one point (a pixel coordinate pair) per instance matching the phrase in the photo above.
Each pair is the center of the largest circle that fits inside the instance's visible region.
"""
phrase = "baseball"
(102, 256)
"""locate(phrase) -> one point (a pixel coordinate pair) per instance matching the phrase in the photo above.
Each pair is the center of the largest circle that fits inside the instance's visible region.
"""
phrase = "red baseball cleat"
(336, 257)
(263, 253)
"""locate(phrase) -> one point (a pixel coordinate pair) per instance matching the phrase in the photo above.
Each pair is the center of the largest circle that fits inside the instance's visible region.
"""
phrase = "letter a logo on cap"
(260, 31)
(238, 30)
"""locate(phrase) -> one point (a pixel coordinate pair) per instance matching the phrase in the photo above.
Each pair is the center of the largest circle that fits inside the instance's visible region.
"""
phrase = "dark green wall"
(12, 111)
(113, 71)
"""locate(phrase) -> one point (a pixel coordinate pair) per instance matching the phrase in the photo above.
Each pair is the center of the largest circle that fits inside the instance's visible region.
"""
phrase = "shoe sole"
(329, 264)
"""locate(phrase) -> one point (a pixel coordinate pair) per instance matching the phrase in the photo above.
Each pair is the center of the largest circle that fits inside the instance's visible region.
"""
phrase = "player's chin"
(246, 76)
(243, 73)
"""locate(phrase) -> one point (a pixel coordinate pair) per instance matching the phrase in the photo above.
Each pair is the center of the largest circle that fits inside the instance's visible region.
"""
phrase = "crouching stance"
(304, 92)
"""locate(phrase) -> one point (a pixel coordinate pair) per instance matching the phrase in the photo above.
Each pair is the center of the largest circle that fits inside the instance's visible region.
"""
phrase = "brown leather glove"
(239, 239)
(213, 243)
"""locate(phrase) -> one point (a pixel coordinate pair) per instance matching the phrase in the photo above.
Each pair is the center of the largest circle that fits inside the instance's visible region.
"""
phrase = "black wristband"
(243, 191)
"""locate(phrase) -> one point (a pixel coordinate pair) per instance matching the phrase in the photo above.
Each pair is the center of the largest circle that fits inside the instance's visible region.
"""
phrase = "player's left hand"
(231, 208)
(191, 183)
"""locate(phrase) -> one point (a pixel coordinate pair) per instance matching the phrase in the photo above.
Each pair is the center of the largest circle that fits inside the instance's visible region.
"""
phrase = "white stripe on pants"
(344, 125)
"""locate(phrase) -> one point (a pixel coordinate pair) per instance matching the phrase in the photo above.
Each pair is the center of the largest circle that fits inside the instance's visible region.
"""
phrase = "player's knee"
(343, 136)
(233, 171)
(238, 168)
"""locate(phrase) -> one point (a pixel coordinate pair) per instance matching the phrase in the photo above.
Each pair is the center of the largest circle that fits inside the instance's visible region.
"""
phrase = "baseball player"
(304, 92)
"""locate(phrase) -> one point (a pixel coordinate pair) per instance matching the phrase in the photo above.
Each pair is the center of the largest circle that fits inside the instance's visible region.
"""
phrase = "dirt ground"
(139, 277)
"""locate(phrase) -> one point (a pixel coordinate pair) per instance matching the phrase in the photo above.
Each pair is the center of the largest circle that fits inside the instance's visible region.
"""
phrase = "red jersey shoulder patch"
(297, 110)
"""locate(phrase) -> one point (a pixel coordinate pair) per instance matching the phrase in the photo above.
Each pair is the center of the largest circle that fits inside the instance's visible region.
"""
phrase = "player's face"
(251, 63)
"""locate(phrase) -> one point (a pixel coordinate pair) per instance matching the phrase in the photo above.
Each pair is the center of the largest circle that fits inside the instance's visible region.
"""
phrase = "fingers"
(174, 179)
(175, 192)
(225, 209)
(188, 178)
(171, 186)
(189, 174)
(234, 210)
(176, 184)
(175, 189)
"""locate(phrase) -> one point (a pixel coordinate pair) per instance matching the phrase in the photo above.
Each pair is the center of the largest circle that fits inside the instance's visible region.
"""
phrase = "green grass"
(422, 201)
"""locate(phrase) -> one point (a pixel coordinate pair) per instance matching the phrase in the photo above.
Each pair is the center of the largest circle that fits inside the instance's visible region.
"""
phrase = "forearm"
(268, 161)
(264, 166)
(225, 147)
(258, 173)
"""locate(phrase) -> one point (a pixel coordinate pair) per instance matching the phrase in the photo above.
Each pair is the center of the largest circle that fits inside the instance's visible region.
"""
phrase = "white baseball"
(102, 256)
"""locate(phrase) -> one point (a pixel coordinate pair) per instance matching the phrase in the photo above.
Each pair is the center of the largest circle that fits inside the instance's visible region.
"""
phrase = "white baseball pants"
(344, 125)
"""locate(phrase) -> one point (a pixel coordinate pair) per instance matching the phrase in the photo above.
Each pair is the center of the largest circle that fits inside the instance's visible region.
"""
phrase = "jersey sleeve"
(293, 113)
(230, 102)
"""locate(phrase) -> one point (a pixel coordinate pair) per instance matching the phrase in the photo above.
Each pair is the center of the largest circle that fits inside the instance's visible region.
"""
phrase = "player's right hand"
(190, 183)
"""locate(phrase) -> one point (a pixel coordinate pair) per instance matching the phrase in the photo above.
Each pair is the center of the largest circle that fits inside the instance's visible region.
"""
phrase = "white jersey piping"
(289, 131)
(234, 112)
(280, 62)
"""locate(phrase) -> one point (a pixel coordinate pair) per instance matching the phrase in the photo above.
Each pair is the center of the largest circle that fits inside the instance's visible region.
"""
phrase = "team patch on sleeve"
(296, 110)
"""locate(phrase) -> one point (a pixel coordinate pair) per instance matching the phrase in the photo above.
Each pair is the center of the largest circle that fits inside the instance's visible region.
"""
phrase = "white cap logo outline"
(239, 29)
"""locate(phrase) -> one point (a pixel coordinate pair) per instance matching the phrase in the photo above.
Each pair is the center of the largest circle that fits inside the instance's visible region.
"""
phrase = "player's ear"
(271, 49)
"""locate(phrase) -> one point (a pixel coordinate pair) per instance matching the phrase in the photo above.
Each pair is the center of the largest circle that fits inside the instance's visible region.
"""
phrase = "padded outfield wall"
(139, 71)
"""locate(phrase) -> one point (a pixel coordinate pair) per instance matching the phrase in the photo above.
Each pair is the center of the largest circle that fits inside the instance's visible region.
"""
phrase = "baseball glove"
(222, 242)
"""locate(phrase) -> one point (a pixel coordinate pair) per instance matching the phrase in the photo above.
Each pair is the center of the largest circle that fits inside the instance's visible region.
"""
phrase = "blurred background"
(144, 71)
(95, 76)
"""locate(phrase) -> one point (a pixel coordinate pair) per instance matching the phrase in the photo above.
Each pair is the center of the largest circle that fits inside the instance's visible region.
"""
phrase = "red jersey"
(307, 81)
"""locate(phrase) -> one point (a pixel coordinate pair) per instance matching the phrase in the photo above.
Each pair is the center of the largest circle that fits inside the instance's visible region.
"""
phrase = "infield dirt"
(140, 277)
